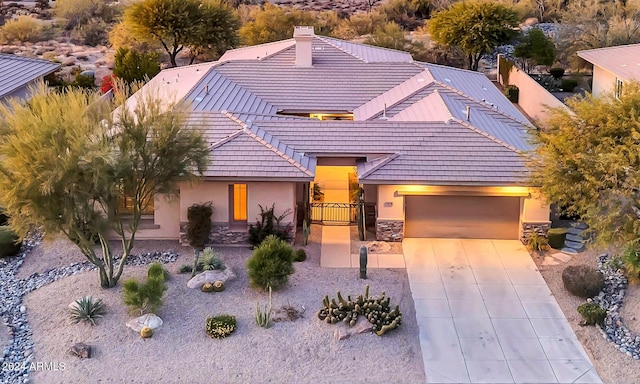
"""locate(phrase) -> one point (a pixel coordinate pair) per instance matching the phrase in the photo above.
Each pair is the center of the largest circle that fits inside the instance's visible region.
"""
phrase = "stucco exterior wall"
(390, 205)
(534, 100)
(202, 192)
(603, 81)
(166, 223)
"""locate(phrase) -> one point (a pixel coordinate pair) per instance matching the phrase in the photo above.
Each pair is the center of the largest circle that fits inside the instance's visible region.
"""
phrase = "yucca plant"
(87, 310)
(263, 317)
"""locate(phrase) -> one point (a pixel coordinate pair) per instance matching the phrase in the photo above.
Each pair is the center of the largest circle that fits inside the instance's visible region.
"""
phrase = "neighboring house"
(612, 67)
(438, 150)
(18, 74)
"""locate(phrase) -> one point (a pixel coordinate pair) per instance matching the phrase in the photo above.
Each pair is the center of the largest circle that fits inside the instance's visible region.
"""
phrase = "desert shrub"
(185, 268)
(87, 310)
(631, 261)
(131, 66)
(145, 297)
(93, 33)
(537, 242)
(582, 280)
(269, 224)
(557, 72)
(22, 29)
(9, 242)
(568, 85)
(84, 81)
(156, 270)
(407, 13)
(270, 264)
(615, 263)
(593, 314)
(221, 326)
(300, 255)
(210, 260)
(556, 237)
(80, 12)
(512, 92)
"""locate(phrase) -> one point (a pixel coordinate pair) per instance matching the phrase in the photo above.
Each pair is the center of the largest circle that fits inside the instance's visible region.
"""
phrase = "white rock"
(549, 261)
(147, 320)
(561, 256)
(210, 277)
(23, 309)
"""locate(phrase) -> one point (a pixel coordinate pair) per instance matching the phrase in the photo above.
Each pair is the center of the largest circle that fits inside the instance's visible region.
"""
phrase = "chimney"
(304, 38)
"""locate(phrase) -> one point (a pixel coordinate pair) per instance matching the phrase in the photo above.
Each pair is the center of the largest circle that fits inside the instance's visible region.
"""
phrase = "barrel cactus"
(146, 332)
(218, 286)
(208, 287)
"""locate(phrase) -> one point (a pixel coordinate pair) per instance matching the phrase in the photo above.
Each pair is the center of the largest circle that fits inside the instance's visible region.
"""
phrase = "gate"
(333, 213)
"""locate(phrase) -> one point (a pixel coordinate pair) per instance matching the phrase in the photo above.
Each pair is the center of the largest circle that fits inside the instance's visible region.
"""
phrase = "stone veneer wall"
(389, 230)
(221, 234)
(540, 227)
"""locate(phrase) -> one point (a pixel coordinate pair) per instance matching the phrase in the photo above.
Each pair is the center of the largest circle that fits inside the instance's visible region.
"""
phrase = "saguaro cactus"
(363, 262)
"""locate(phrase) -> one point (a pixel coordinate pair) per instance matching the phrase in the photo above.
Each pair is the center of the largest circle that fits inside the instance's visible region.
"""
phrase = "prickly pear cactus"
(218, 286)
(146, 332)
(208, 287)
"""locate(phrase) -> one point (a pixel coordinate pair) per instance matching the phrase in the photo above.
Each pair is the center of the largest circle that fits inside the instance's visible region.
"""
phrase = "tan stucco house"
(612, 67)
(437, 150)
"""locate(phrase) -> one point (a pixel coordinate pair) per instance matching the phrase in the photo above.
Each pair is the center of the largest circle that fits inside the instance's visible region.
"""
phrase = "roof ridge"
(382, 162)
(608, 48)
(485, 134)
(481, 103)
(273, 146)
(214, 64)
(325, 38)
(441, 100)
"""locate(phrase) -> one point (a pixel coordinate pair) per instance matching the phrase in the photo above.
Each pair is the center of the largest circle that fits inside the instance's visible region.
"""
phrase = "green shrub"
(556, 237)
(185, 268)
(87, 310)
(513, 93)
(568, 85)
(537, 242)
(269, 224)
(300, 255)
(145, 297)
(557, 72)
(221, 326)
(582, 280)
(615, 263)
(209, 260)
(10, 242)
(84, 81)
(631, 261)
(270, 264)
(156, 270)
(593, 314)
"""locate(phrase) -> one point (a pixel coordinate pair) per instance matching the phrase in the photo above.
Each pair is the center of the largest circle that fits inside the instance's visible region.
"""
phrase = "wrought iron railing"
(333, 213)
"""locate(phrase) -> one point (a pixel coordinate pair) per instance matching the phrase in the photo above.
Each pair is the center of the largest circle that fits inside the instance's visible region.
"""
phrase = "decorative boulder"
(210, 277)
(81, 350)
(149, 320)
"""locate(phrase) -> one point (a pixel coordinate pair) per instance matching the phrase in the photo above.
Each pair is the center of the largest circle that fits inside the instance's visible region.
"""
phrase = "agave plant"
(87, 310)
(210, 260)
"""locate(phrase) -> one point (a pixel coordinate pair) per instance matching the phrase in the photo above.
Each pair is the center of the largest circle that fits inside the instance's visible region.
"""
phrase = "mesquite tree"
(68, 161)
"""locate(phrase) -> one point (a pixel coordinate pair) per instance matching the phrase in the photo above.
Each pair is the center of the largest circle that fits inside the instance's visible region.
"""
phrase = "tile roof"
(243, 105)
(17, 71)
(622, 60)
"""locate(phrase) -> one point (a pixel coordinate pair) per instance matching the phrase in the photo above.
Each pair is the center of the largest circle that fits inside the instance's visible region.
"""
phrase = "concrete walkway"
(335, 251)
(486, 315)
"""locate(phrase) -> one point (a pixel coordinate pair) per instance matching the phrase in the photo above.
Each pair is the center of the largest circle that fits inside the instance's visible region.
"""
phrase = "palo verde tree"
(68, 161)
(476, 27)
(588, 161)
(199, 26)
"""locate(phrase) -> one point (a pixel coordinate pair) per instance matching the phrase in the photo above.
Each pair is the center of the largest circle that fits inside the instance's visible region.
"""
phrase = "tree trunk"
(196, 256)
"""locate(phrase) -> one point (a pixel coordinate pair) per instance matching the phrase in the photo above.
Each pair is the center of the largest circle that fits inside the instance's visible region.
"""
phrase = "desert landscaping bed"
(180, 351)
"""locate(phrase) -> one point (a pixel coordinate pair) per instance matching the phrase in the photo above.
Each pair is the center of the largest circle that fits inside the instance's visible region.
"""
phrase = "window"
(618, 90)
(238, 203)
(125, 206)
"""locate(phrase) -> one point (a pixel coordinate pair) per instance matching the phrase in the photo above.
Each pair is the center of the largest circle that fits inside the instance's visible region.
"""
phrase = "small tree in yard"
(271, 263)
(198, 229)
(588, 161)
(476, 27)
(68, 161)
(535, 48)
(132, 66)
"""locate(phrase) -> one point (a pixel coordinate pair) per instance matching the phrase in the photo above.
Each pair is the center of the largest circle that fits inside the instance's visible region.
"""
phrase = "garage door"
(477, 217)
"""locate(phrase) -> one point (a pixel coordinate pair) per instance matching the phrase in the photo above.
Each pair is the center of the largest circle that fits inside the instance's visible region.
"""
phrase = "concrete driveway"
(486, 315)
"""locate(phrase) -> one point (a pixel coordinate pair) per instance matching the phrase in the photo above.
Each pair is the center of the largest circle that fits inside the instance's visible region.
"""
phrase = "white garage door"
(476, 217)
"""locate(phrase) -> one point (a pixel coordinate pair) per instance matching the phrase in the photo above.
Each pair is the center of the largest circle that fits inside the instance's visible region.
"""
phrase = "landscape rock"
(341, 333)
(362, 326)
(548, 260)
(81, 350)
(210, 277)
(147, 320)
(378, 247)
(561, 256)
